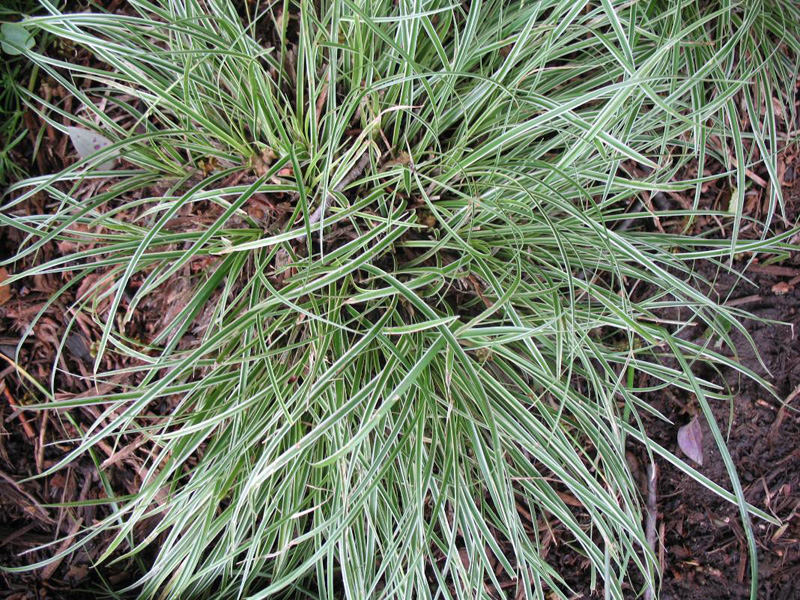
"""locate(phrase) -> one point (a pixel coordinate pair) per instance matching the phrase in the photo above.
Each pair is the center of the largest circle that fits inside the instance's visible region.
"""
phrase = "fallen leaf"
(58, 480)
(690, 440)
(5, 290)
(88, 142)
(781, 288)
(77, 573)
(261, 163)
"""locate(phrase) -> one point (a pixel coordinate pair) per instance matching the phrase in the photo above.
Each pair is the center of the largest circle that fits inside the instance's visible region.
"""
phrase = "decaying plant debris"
(391, 299)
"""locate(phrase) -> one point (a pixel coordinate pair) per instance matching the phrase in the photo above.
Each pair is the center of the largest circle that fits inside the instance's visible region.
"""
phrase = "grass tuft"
(415, 300)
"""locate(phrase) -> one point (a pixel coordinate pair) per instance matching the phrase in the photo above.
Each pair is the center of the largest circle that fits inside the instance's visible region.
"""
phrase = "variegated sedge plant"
(425, 370)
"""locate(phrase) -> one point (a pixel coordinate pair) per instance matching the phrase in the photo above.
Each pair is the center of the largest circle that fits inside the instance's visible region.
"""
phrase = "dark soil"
(702, 544)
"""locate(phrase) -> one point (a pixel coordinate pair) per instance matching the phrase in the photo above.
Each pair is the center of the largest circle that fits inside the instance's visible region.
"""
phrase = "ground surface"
(703, 553)
(702, 547)
(703, 550)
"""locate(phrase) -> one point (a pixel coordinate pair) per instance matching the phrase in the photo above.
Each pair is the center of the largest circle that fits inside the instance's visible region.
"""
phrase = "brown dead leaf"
(77, 573)
(58, 480)
(260, 164)
(690, 440)
(781, 288)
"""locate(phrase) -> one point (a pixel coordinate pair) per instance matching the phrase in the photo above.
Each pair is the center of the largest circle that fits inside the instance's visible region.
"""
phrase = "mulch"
(704, 549)
(702, 545)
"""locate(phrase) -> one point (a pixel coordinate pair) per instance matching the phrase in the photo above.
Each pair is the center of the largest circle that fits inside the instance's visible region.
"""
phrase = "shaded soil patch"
(704, 547)
(704, 554)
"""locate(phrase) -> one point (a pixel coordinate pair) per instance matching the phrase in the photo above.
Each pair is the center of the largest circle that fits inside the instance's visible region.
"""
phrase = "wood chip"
(50, 569)
(5, 290)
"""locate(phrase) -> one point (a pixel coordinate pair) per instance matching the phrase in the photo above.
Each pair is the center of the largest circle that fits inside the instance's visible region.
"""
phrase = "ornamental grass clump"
(404, 294)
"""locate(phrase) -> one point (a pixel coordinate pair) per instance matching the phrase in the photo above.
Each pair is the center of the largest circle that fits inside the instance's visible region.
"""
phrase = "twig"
(62, 510)
(26, 427)
(777, 270)
(627, 223)
(40, 449)
(477, 287)
(50, 569)
(34, 502)
(648, 202)
(124, 452)
(652, 514)
(745, 300)
(776, 424)
(18, 533)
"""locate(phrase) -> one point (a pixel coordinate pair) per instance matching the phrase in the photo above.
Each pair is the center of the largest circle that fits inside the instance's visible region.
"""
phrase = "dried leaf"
(88, 142)
(690, 440)
(260, 164)
(78, 347)
(77, 573)
(5, 290)
(781, 288)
